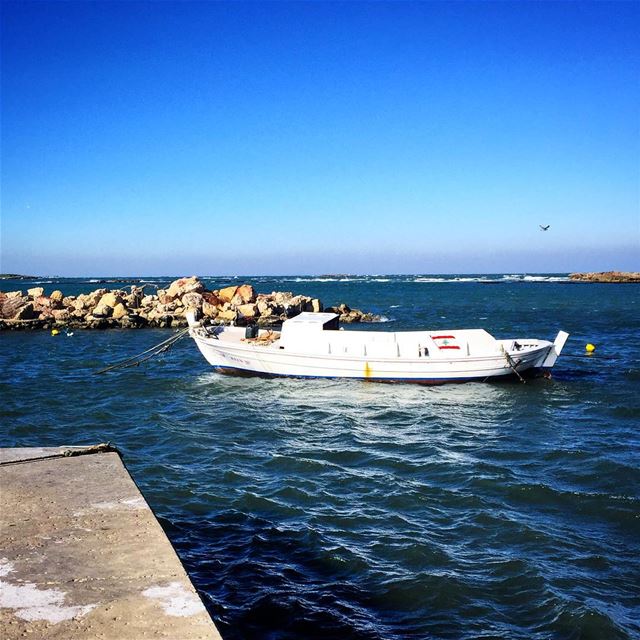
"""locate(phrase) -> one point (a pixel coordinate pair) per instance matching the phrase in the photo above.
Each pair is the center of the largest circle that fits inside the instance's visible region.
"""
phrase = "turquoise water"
(337, 509)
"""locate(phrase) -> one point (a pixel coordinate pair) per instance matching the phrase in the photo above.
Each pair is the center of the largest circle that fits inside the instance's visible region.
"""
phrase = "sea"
(334, 509)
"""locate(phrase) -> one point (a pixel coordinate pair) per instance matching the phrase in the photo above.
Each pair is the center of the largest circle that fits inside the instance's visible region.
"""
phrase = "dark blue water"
(333, 509)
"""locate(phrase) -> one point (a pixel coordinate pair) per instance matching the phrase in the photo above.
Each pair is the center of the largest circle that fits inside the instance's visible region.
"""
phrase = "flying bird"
(544, 227)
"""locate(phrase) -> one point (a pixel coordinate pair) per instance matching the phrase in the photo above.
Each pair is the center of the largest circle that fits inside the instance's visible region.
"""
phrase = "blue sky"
(318, 137)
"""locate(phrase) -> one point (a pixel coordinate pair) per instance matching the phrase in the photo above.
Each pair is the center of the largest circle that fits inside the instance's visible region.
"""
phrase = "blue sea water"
(337, 509)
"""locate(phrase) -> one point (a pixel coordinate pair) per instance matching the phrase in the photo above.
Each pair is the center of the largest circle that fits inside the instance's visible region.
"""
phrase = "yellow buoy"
(54, 332)
(590, 348)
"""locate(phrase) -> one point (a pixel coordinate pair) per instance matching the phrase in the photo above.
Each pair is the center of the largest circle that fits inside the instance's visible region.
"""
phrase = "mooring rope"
(156, 350)
(513, 364)
(103, 447)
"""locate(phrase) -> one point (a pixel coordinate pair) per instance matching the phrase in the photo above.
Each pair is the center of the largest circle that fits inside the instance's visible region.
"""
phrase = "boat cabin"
(306, 326)
(316, 333)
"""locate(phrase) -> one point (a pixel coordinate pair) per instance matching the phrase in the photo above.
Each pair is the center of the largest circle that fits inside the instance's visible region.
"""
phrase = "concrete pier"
(83, 556)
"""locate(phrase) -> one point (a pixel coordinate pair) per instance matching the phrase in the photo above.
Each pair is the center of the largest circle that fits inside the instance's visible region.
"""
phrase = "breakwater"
(606, 276)
(119, 308)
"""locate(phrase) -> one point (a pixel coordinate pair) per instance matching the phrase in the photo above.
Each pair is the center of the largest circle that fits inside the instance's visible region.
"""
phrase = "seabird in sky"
(544, 227)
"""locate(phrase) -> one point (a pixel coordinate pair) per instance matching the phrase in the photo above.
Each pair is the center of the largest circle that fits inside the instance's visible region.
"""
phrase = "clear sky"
(152, 138)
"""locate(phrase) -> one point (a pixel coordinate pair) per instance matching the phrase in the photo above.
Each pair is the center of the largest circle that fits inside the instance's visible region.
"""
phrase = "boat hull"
(265, 361)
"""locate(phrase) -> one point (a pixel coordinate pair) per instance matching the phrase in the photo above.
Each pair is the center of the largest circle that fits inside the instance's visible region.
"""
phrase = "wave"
(326, 279)
(545, 279)
(448, 279)
(484, 279)
(381, 279)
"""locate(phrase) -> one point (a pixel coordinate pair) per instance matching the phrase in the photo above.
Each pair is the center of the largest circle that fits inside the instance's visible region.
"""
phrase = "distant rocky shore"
(117, 308)
(15, 276)
(606, 276)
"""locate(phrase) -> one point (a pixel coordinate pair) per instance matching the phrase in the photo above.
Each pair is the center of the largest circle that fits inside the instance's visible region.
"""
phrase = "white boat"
(312, 345)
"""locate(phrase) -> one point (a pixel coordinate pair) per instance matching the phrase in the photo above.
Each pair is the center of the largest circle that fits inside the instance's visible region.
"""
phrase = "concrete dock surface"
(83, 556)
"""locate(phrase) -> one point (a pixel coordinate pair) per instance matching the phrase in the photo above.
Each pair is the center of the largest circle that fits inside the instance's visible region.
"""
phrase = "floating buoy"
(54, 332)
(590, 348)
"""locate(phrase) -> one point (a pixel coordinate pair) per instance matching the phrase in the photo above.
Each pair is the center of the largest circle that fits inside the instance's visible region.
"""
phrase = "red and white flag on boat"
(445, 342)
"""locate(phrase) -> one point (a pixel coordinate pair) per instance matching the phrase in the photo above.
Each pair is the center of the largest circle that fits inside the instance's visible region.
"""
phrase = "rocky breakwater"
(606, 276)
(103, 308)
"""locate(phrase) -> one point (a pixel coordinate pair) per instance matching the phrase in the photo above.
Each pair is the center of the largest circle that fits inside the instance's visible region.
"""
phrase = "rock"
(316, 306)
(226, 294)
(41, 303)
(184, 285)
(295, 305)
(281, 297)
(97, 323)
(244, 294)
(211, 298)
(248, 311)
(13, 294)
(111, 299)
(126, 322)
(119, 311)
(132, 321)
(148, 301)
(264, 306)
(134, 299)
(81, 302)
(56, 296)
(102, 311)
(192, 301)
(61, 315)
(355, 315)
(94, 297)
(209, 310)
(35, 292)
(163, 297)
(25, 313)
(266, 320)
(11, 306)
(164, 321)
(606, 276)
(227, 315)
(163, 309)
(68, 301)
